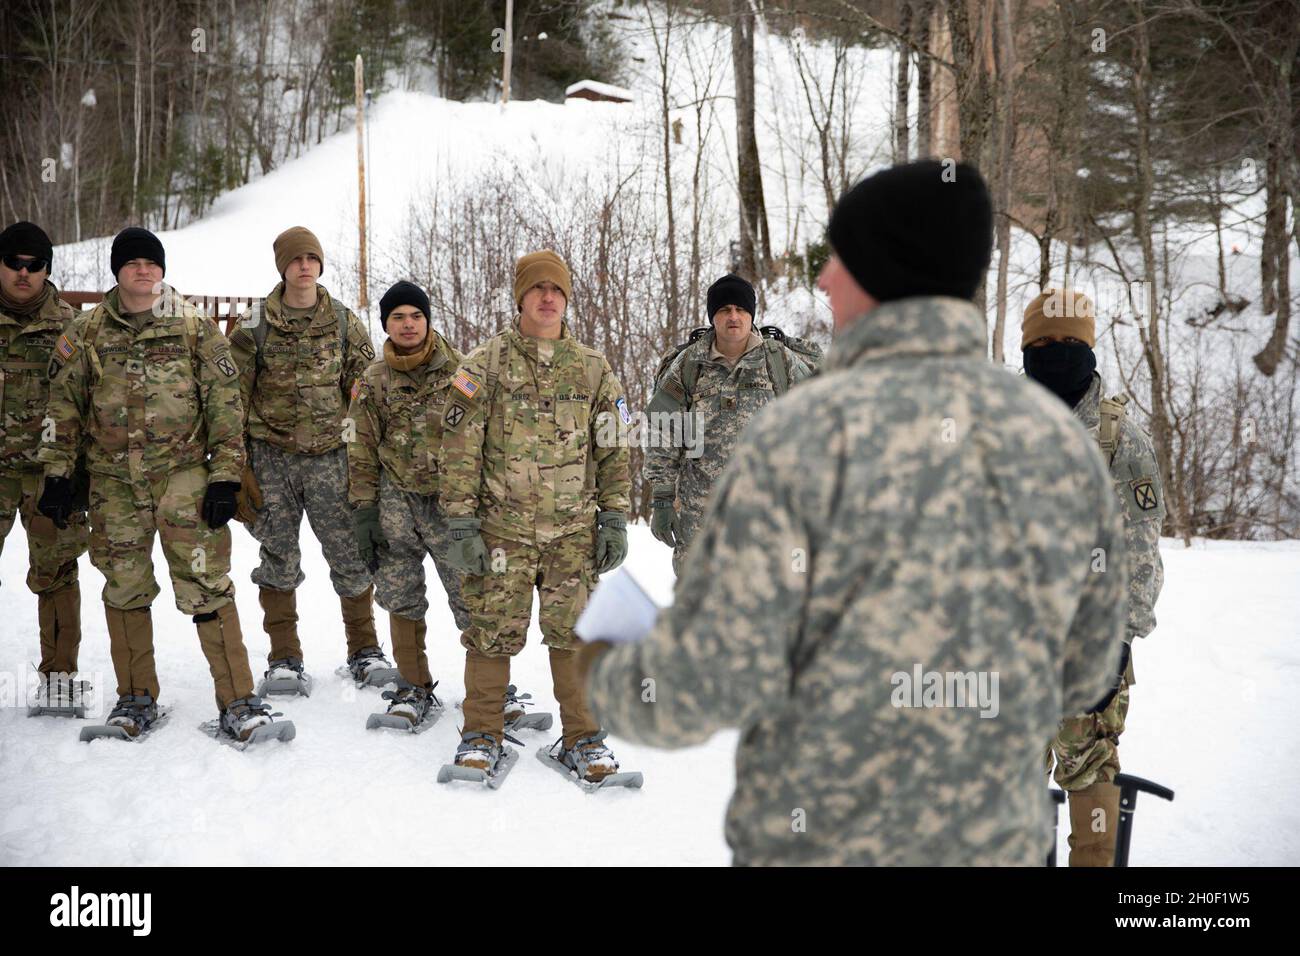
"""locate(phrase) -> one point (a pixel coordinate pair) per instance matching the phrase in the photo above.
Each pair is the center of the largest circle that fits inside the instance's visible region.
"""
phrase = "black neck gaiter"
(1064, 368)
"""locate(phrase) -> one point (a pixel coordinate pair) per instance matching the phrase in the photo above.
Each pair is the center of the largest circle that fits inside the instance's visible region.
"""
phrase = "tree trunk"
(755, 244)
(1006, 65)
(903, 84)
(924, 120)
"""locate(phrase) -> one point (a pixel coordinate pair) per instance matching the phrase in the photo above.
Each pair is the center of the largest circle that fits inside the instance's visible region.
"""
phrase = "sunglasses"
(18, 263)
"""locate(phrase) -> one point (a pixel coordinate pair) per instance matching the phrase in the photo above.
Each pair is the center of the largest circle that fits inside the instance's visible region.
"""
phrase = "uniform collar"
(275, 307)
(919, 327)
(1088, 410)
(755, 340)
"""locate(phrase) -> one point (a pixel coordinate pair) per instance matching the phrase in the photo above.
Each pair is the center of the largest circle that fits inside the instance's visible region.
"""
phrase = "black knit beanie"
(136, 243)
(26, 239)
(402, 293)
(731, 289)
(923, 228)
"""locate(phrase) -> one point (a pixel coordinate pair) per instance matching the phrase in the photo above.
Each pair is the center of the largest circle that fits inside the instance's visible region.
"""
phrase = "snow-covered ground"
(1214, 716)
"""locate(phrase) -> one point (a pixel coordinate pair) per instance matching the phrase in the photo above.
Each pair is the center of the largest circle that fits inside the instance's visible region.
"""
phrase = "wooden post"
(362, 298)
(510, 44)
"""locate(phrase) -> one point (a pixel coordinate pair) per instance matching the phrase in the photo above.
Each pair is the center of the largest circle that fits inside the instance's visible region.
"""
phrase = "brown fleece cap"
(543, 266)
(294, 242)
(1061, 313)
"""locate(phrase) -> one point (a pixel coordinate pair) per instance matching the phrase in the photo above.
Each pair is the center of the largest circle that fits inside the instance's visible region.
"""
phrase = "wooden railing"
(224, 308)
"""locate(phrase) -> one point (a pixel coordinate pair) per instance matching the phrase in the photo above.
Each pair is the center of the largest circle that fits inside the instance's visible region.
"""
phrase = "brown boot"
(280, 621)
(130, 643)
(485, 693)
(570, 692)
(223, 645)
(1094, 821)
(60, 619)
(359, 621)
(408, 649)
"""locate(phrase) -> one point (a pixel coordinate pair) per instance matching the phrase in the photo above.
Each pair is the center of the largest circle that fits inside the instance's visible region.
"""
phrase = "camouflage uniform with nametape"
(528, 450)
(395, 462)
(155, 398)
(27, 341)
(911, 506)
(721, 398)
(1086, 747)
(521, 452)
(295, 389)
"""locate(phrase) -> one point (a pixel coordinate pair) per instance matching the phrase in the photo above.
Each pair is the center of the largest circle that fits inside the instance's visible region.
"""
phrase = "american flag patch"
(356, 389)
(66, 348)
(467, 385)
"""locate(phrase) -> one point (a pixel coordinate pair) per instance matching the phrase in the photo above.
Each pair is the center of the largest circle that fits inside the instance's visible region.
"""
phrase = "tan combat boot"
(1094, 823)
(359, 621)
(222, 641)
(280, 621)
(130, 642)
(486, 679)
(60, 621)
(408, 649)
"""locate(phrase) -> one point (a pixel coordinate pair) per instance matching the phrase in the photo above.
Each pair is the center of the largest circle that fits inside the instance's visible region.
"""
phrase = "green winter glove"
(370, 537)
(611, 540)
(468, 553)
(664, 521)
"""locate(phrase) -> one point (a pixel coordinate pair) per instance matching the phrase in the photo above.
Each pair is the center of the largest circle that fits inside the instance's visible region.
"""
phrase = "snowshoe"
(248, 721)
(412, 708)
(479, 759)
(369, 667)
(285, 677)
(58, 695)
(134, 717)
(589, 764)
(517, 719)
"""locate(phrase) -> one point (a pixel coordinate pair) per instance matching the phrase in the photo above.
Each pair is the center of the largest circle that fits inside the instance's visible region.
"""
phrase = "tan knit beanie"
(544, 266)
(294, 242)
(1060, 313)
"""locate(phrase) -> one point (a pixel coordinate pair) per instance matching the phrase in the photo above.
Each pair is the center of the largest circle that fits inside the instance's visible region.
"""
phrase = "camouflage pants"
(317, 484)
(51, 553)
(414, 526)
(123, 519)
(501, 602)
(1086, 748)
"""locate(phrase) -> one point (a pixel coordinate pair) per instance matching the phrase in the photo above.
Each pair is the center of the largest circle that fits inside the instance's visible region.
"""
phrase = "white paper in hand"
(619, 611)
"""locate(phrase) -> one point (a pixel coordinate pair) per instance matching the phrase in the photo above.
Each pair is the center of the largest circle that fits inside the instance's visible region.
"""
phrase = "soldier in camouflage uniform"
(1059, 334)
(910, 509)
(32, 316)
(722, 379)
(533, 499)
(393, 468)
(298, 359)
(148, 384)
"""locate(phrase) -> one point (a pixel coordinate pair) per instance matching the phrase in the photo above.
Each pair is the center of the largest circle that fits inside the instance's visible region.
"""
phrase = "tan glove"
(249, 499)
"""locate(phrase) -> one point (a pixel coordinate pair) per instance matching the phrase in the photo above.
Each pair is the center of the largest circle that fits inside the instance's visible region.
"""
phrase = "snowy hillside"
(1214, 715)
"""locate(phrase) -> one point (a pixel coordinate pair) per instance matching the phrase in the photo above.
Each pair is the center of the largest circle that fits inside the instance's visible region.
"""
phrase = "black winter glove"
(220, 502)
(56, 501)
(369, 535)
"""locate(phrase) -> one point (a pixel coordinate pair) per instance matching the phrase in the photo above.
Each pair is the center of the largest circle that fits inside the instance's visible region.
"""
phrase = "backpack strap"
(341, 314)
(495, 359)
(776, 366)
(1112, 410)
(259, 341)
(88, 340)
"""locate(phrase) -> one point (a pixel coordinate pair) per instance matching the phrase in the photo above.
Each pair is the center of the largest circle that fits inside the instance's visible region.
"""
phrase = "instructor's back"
(911, 569)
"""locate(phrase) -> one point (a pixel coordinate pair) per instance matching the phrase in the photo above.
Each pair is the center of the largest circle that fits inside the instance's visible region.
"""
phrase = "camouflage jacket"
(26, 344)
(910, 515)
(147, 403)
(520, 440)
(1142, 500)
(297, 399)
(723, 401)
(397, 416)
